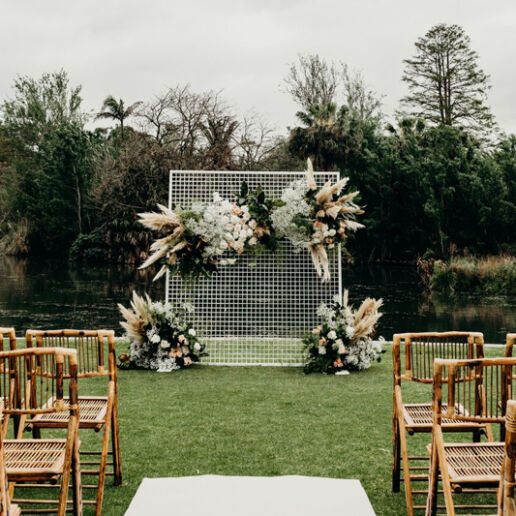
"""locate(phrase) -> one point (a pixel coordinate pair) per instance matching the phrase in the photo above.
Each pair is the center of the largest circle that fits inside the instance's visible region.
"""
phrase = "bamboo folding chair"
(6, 507)
(7, 341)
(420, 350)
(28, 378)
(477, 391)
(96, 412)
(506, 504)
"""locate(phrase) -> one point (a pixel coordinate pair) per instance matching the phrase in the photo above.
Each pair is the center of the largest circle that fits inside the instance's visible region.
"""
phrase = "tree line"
(440, 179)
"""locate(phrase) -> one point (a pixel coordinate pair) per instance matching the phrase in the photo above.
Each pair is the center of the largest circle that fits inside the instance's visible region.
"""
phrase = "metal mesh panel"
(256, 311)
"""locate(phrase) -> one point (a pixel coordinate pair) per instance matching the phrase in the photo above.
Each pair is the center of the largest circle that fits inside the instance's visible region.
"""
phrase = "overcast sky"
(133, 49)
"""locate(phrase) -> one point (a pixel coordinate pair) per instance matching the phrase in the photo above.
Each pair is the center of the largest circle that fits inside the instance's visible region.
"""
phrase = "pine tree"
(446, 85)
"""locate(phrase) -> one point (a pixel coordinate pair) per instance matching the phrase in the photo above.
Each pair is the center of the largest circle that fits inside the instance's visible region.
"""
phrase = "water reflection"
(51, 294)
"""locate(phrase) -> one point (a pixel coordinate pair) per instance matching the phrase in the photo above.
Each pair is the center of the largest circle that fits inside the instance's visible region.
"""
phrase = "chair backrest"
(421, 349)
(506, 505)
(474, 390)
(7, 339)
(89, 344)
(32, 381)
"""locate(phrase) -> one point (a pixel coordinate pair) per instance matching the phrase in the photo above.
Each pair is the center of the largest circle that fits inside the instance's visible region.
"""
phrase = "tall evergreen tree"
(446, 85)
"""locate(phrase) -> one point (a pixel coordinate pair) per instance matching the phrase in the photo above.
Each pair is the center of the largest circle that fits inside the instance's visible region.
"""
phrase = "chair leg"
(396, 457)
(63, 490)
(433, 484)
(115, 445)
(406, 468)
(103, 459)
(77, 483)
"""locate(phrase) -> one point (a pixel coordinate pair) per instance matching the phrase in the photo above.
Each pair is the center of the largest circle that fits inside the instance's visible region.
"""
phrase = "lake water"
(39, 293)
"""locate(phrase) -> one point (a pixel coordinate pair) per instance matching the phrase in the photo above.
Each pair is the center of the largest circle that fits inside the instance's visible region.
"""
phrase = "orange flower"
(322, 341)
(188, 361)
(338, 363)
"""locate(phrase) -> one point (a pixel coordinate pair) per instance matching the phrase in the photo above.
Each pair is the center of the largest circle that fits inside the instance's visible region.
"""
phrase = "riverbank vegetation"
(439, 176)
(487, 275)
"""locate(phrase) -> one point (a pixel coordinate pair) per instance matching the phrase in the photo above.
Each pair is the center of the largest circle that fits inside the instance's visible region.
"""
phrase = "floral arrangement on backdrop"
(160, 336)
(198, 240)
(344, 340)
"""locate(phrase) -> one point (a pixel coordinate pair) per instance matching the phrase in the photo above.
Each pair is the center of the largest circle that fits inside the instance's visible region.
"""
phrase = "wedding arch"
(256, 311)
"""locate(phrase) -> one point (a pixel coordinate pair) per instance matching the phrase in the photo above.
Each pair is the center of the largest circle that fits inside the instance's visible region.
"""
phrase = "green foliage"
(260, 208)
(89, 248)
(490, 275)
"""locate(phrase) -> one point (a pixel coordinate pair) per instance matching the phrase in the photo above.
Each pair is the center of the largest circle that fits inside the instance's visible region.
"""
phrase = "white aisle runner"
(216, 495)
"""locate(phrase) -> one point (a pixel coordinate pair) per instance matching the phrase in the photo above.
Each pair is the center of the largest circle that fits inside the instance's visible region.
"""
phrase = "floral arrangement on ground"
(344, 340)
(196, 241)
(160, 336)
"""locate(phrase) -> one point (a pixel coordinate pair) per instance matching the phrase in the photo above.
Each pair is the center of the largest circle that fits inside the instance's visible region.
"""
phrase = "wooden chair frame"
(30, 461)
(6, 507)
(485, 386)
(420, 349)
(506, 504)
(10, 334)
(91, 362)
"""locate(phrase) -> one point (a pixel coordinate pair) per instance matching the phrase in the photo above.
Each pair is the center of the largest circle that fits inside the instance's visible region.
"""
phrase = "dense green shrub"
(491, 275)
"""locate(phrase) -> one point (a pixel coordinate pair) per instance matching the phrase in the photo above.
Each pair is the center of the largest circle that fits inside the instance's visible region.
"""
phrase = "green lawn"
(257, 421)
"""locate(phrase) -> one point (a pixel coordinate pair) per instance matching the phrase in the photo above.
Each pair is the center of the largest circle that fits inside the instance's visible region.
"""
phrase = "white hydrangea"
(223, 225)
(282, 217)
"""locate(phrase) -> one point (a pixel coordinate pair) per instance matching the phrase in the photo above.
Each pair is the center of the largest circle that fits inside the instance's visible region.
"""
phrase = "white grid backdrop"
(256, 311)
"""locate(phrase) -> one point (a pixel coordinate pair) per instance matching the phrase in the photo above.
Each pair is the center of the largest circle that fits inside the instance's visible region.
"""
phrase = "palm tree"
(116, 110)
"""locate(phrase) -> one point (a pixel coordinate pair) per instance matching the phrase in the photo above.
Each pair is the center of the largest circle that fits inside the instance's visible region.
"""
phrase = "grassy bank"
(488, 275)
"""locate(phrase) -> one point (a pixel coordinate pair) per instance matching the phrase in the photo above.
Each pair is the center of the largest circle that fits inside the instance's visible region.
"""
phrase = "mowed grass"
(257, 421)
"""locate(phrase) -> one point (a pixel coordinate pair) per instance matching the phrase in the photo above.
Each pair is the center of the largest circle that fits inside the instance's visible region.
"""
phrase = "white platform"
(216, 495)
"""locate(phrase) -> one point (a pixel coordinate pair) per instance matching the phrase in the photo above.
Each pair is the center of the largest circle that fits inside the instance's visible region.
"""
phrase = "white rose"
(252, 224)
(332, 335)
(253, 241)
(191, 332)
(197, 347)
(164, 344)
(341, 349)
(322, 350)
(155, 338)
(228, 237)
(332, 232)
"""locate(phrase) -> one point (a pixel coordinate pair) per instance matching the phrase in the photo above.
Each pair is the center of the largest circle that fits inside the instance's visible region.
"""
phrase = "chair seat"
(477, 463)
(419, 417)
(92, 413)
(34, 458)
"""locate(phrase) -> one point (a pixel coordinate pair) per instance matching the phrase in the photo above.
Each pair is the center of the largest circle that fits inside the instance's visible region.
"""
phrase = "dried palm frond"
(310, 179)
(137, 317)
(166, 222)
(320, 260)
(366, 317)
